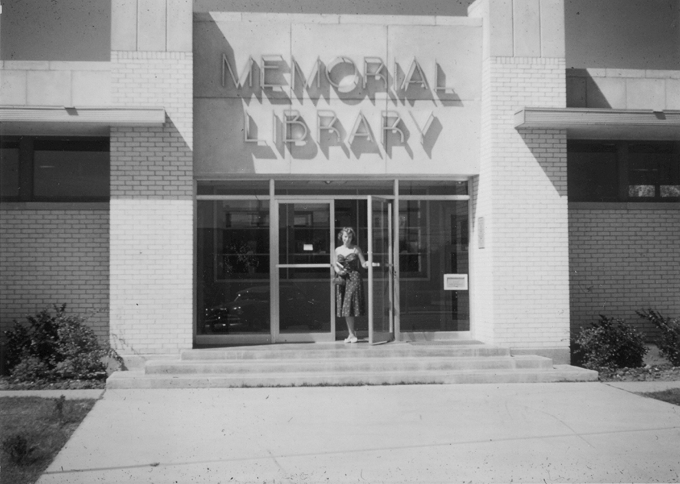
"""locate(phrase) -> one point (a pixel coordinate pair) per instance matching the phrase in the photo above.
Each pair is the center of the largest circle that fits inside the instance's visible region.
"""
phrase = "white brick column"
(520, 287)
(152, 195)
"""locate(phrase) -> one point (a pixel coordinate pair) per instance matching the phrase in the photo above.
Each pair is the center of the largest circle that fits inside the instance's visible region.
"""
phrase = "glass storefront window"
(240, 187)
(447, 187)
(234, 292)
(433, 241)
(9, 169)
(304, 238)
(335, 187)
(592, 172)
(233, 267)
(71, 169)
(654, 171)
(47, 169)
(623, 171)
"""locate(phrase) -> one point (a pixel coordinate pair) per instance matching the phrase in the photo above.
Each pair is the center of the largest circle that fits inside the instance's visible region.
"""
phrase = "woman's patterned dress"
(350, 297)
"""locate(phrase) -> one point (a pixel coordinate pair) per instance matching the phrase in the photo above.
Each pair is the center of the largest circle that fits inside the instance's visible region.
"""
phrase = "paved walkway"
(552, 432)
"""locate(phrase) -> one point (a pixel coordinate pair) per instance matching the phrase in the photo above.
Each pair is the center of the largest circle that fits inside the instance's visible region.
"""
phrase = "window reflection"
(233, 267)
(610, 171)
(433, 241)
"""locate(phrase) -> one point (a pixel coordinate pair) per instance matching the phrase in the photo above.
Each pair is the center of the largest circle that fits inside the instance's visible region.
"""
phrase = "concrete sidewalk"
(552, 432)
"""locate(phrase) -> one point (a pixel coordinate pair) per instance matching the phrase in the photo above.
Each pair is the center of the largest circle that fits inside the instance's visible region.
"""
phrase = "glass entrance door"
(302, 306)
(380, 271)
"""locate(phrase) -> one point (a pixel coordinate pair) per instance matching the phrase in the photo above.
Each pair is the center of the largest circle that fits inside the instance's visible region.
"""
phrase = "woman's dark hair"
(348, 230)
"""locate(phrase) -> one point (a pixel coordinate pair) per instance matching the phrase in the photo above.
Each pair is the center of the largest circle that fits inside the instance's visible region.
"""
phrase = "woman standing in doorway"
(349, 297)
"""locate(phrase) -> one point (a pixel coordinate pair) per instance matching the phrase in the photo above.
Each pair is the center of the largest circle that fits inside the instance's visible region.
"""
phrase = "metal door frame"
(274, 267)
(390, 269)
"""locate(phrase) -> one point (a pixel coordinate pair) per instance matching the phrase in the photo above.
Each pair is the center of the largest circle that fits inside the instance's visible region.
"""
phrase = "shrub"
(38, 339)
(54, 346)
(669, 330)
(31, 369)
(609, 343)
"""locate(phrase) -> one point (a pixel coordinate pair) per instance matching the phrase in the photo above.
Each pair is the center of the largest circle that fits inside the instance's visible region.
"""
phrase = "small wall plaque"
(455, 282)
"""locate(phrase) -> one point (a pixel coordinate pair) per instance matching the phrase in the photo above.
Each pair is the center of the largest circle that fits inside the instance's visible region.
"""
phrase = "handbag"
(339, 281)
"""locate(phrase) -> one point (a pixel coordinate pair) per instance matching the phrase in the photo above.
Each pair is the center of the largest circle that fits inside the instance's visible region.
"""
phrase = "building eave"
(106, 115)
(588, 123)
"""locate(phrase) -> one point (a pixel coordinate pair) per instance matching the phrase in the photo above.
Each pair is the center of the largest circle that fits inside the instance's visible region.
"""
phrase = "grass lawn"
(671, 395)
(45, 423)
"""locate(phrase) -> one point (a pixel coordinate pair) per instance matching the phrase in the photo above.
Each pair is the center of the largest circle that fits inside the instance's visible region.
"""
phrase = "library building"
(509, 172)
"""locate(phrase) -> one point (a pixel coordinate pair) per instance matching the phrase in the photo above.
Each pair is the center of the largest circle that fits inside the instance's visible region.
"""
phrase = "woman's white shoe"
(351, 339)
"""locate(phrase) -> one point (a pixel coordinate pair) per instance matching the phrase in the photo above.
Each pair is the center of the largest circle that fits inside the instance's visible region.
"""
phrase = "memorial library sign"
(277, 97)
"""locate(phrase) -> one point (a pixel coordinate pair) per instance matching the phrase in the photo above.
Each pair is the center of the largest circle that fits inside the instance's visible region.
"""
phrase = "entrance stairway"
(343, 364)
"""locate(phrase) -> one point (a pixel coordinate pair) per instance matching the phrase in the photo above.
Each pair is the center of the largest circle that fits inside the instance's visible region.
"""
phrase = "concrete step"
(335, 350)
(138, 379)
(342, 364)
(450, 361)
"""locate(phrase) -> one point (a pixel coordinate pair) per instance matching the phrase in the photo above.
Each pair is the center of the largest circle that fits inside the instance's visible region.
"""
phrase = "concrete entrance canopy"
(584, 123)
(75, 120)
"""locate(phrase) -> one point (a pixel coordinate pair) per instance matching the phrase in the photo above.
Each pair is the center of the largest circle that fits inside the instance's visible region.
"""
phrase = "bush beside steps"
(55, 350)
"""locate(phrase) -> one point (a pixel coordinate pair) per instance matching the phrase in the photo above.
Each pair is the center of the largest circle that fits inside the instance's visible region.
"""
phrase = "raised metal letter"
(246, 130)
(345, 86)
(386, 127)
(437, 87)
(323, 114)
(266, 65)
(300, 140)
(423, 131)
(366, 133)
(246, 74)
(408, 80)
(375, 73)
(316, 72)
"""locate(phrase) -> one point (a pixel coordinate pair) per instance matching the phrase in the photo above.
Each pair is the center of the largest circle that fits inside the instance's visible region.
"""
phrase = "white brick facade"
(152, 214)
(521, 296)
(55, 256)
(156, 79)
(623, 261)
(151, 275)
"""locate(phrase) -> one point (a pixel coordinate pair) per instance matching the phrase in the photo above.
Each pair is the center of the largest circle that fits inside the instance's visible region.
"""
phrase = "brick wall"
(623, 260)
(521, 276)
(152, 206)
(150, 163)
(156, 79)
(151, 275)
(55, 256)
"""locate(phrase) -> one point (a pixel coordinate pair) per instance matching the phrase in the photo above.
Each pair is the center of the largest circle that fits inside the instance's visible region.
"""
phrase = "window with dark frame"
(50, 169)
(623, 171)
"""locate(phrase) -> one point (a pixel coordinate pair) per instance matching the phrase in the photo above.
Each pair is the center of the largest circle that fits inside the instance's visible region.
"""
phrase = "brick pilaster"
(521, 276)
(152, 214)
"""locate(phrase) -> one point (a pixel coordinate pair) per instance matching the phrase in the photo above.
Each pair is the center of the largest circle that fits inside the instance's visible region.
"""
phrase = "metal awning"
(75, 119)
(585, 123)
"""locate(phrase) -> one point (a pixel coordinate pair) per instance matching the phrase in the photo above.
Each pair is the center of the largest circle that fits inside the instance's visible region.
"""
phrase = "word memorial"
(343, 75)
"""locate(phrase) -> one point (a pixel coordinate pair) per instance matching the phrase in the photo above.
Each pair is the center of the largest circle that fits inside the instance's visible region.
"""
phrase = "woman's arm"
(337, 267)
(364, 264)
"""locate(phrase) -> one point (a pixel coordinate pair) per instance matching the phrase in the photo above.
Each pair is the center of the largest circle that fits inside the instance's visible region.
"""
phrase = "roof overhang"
(75, 120)
(585, 123)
